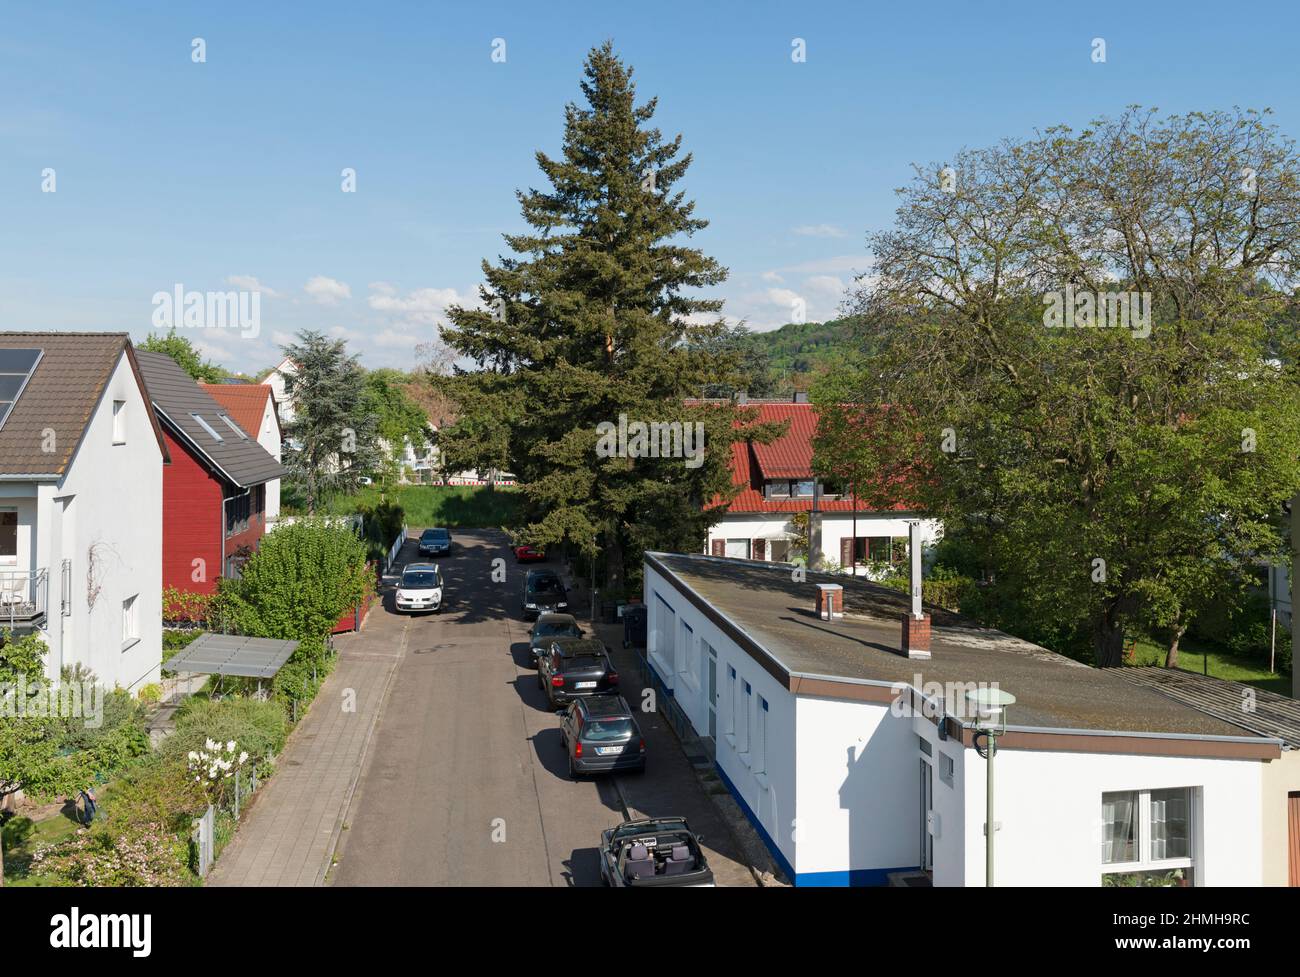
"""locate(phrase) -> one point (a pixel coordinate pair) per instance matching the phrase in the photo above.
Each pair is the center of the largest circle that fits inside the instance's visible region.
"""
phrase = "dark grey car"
(602, 736)
(547, 628)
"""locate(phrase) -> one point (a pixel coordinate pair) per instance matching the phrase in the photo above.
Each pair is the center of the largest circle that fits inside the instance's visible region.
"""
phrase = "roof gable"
(195, 417)
(246, 403)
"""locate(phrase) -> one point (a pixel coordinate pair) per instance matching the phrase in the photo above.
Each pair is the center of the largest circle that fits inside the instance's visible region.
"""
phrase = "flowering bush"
(147, 856)
(214, 766)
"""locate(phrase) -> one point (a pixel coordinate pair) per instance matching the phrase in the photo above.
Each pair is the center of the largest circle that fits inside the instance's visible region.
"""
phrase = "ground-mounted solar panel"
(16, 368)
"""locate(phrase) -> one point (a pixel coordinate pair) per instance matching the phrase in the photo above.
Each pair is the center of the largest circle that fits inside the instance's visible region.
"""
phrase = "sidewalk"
(289, 834)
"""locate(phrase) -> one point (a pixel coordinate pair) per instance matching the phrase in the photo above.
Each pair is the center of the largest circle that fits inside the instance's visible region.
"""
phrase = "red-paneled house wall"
(194, 522)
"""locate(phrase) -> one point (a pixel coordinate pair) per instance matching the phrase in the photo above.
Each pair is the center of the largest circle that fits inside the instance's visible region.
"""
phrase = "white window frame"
(687, 665)
(746, 691)
(758, 751)
(729, 710)
(239, 431)
(119, 422)
(1142, 844)
(130, 621)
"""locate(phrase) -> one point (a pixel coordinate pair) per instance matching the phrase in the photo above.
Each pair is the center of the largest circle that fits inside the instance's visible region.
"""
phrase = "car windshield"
(649, 827)
(603, 730)
(437, 534)
(546, 586)
(417, 579)
(565, 628)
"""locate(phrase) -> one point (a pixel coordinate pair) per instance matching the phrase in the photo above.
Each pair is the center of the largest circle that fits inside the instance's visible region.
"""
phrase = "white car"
(419, 588)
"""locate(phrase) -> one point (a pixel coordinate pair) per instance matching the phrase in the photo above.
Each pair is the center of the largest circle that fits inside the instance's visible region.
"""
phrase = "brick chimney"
(830, 601)
(916, 623)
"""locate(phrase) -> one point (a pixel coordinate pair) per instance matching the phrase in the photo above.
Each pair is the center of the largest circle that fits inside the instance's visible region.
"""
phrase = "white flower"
(211, 745)
(243, 756)
(230, 747)
(193, 755)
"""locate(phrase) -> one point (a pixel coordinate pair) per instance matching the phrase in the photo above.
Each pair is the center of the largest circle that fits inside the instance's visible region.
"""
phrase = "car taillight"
(642, 744)
(613, 678)
(577, 748)
(557, 681)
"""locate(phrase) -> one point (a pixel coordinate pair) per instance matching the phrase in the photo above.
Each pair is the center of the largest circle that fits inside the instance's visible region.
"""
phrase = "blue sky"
(228, 171)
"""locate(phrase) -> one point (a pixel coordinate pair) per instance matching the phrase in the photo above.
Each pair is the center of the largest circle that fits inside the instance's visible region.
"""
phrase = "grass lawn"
(1219, 665)
(453, 506)
(22, 836)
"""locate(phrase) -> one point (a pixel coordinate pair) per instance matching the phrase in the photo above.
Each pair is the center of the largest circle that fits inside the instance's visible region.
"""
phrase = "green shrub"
(380, 522)
(257, 727)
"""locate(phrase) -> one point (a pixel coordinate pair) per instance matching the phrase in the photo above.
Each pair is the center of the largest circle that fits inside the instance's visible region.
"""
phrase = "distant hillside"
(799, 350)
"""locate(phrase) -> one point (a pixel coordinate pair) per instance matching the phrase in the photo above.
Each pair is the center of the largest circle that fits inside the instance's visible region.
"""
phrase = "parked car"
(528, 554)
(544, 593)
(653, 852)
(601, 735)
(575, 667)
(419, 588)
(547, 629)
(435, 542)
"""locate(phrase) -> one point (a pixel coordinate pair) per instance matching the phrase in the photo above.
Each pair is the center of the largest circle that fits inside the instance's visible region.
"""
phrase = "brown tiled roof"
(244, 402)
(61, 397)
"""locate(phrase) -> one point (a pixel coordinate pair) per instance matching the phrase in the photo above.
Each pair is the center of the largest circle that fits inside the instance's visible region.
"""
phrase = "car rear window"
(546, 587)
(584, 661)
(603, 730)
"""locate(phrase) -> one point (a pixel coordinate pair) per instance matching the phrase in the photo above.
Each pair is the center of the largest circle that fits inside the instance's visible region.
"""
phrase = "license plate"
(585, 685)
(607, 750)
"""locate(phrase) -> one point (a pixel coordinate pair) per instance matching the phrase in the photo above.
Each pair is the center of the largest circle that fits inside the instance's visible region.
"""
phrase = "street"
(465, 782)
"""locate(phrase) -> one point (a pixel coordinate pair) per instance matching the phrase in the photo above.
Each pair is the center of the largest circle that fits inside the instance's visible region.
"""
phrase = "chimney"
(830, 601)
(800, 397)
(916, 623)
(815, 528)
(742, 397)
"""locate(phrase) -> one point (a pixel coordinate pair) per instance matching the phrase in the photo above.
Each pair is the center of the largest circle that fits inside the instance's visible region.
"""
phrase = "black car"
(574, 667)
(653, 852)
(600, 735)
(547, 629)
(544, 593)
(435, 542)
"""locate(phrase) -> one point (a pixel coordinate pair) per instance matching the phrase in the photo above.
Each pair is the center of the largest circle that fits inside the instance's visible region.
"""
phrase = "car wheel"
(539, 679)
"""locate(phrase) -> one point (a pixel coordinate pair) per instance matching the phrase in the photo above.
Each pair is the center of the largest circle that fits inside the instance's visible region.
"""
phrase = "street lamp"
(989, 707)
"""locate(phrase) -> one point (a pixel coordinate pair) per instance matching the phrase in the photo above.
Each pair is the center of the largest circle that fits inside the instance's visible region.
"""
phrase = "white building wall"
(268, 436)
(105, 515)
(835, 529)
(1049, 809)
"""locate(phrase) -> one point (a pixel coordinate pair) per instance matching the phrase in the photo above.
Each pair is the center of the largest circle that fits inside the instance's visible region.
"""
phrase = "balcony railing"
(23, 596)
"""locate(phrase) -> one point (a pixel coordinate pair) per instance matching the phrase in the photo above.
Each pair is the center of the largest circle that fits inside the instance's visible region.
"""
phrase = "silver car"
(419, 588)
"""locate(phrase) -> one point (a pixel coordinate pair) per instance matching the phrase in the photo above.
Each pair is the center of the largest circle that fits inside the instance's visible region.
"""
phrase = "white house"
(776, 483)
(858, 764)
(277, 380)
(81, 480)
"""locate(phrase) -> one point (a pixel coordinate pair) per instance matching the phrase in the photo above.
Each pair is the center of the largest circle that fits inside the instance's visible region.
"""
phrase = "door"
(1293, 835)
(711, 694)
(927, 809)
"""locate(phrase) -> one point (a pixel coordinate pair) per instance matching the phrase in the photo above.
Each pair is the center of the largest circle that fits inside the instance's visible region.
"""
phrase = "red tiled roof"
(788, 457)
(244, 402)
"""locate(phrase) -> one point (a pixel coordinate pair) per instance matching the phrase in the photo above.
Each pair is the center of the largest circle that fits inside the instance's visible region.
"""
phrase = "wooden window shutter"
(846, 551)
(760, 549)
(719, 547)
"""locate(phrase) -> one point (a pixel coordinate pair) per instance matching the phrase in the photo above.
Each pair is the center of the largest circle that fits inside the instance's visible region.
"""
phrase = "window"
(687, 665)
(758, 754)
(803, 490)
(742, 719)
(8, 536)
(926, 748)
(130, 622)
(207, 427)
(731, 702)
(778, 490)
(946, 768)
(239, 432)
(738, 549)
(237, 512)
(1147, 837)
(119, 422)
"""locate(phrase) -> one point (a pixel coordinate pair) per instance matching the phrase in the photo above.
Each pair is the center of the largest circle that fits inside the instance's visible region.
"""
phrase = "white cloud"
(820, 230)
(771, 276)
(825, 284)
(423, 305)
(250, 284)
(327, 291)
(784, 297)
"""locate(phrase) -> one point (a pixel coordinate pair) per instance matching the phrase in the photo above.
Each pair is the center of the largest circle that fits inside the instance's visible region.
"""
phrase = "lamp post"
(989, 708)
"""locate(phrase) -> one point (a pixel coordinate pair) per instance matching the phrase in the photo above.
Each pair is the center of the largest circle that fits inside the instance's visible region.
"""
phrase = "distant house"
(859, 761)
(253, 407)
(278, 381)
(81, 493)
(776, 482)
(214, 491)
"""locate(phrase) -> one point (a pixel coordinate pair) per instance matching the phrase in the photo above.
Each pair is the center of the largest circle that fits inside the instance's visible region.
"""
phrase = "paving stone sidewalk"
(289, 835)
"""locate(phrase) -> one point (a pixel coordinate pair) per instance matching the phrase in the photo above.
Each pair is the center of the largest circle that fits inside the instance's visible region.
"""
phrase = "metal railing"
(23, 596)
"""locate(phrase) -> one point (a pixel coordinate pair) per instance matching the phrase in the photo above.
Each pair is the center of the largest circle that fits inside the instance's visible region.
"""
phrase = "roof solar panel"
(16, 367)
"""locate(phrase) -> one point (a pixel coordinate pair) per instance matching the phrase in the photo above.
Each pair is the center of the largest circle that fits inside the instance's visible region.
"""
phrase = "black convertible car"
(653, 852)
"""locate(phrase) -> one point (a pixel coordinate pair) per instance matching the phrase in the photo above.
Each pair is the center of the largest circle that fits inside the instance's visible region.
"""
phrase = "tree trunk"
(613, 567)
(1108, 638)
(1171, 656)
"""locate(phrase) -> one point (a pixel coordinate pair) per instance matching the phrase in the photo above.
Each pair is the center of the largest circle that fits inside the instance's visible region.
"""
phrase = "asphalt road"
(465, 780)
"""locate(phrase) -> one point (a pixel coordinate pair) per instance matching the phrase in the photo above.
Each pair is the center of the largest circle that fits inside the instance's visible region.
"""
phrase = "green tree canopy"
(594, 316)
(180, 349)
(1110, 474)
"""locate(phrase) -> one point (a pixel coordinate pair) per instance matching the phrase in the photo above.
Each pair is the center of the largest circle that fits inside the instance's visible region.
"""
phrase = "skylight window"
(207, 427)
(16, 367)
(233, 426)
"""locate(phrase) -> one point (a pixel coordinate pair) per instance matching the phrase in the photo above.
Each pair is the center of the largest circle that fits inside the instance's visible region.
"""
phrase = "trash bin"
(634, 625)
